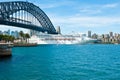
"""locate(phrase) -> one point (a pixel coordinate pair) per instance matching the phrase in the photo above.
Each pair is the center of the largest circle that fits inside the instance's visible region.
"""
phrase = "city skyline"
(81, 16)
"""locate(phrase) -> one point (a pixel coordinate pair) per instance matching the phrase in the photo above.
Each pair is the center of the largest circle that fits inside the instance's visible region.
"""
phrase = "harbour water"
(62, 62)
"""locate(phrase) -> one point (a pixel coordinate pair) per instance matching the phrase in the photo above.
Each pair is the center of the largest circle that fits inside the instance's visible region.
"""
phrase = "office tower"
(111, 34)
(58, 30)
(89, 34)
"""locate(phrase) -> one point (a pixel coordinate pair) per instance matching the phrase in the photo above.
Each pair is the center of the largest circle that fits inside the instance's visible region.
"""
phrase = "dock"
(5, 49)
(25, 44)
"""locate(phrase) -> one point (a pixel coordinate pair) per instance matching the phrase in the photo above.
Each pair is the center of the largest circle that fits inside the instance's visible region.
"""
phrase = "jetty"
(5, 49)
(25, 44)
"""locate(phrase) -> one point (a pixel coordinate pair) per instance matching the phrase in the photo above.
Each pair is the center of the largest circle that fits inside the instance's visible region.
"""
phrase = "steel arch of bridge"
(8, 8)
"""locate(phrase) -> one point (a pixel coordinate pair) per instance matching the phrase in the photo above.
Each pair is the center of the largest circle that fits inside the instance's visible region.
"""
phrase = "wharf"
(5, 49)
(25, 44)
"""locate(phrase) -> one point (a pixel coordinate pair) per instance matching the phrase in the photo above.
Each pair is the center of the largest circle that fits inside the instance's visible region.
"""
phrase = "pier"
(5, 49)
(25, 44)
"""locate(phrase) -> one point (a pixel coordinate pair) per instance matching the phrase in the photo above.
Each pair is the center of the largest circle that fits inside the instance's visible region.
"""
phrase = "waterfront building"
(15, 34)
(8, 32)
(82, 34)
(89, 34)
(58, 30)
(5, 33)
(111, 34)
(106, 40)
(33, 32)
(1, 32)
(116, 35)
(99, 37)
(103, 36)
(112, 40)
(12, 33)
(106, 36)
(95, 36)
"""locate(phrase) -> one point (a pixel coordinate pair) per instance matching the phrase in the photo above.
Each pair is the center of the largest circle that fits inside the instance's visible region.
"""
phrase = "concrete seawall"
(25, 44)
(5, 49)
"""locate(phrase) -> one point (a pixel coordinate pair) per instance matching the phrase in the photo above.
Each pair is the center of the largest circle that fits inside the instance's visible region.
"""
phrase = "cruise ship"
(60, 39)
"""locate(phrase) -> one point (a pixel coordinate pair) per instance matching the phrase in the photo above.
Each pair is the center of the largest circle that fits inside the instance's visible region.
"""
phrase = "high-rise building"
(58, 30)
(8, 32)
(15, 34)
(106, 36)
(33, 32)
(1, 32)
(94, 36)
(111, 34)
(89, 34)
(12, 33)
(5, 33)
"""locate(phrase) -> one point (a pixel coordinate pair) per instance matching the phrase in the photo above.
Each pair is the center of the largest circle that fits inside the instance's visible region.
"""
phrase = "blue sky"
(99, 16)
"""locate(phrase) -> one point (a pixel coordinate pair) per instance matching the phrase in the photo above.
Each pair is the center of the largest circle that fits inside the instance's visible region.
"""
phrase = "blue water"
(62, 62)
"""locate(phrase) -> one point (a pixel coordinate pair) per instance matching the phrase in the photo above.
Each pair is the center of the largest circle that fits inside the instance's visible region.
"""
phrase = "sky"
(99, 16)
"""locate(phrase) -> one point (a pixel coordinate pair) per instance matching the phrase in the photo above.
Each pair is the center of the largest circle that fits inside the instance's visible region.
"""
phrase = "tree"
(21, 35)
(1, 36)
(11, 38)
(7, 38)
(27, 36)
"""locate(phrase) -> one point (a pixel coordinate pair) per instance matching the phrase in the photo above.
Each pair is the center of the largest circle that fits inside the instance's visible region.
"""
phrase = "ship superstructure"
(60, 39)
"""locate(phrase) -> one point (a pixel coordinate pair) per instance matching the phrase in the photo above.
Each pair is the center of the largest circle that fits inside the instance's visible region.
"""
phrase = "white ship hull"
(60, 39)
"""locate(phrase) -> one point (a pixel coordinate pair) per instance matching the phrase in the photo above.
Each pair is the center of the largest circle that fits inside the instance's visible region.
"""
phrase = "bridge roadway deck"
(21, 25)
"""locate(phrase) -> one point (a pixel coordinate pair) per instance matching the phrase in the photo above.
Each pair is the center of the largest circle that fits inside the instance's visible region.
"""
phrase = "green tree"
(21, 35)
(1, 37)
(27, 36)
(7, 38)
(11, 38)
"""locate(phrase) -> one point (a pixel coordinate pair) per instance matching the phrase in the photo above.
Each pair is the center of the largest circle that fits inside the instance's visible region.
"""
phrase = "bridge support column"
(5, 49)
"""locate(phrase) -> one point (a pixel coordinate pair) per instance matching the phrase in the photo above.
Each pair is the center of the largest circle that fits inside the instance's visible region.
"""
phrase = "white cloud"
(54, 4)
(96, 8)
(110, 5)
(90, 11)
(5, 28)
(86, 21)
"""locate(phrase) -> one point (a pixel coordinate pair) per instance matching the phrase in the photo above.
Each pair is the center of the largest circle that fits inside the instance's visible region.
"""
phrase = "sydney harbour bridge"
(25, 15)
